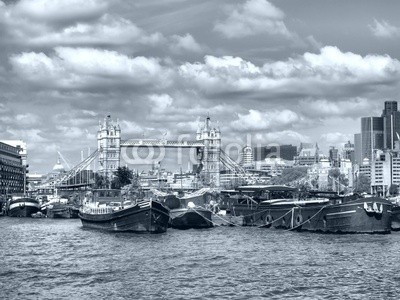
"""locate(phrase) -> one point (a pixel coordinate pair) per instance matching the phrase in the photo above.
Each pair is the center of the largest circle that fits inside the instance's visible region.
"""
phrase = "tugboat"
(139, 216)
(22, 206)
(279, 207)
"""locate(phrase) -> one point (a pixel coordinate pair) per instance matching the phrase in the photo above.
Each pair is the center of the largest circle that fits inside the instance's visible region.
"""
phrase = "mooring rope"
(215, 224)
(290, 229)
(218, 216)
(281, 217)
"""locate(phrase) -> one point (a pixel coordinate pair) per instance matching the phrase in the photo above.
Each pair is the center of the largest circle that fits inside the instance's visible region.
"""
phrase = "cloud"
(324, 108)
(383, 29)
(313, 42)
(22, 120)
(252, 18)
(256, 120)
(45, 23)
(335, 138)
(280, 137)
(160, 103)
(60, 10)
(108, 30)
(329, 72)
(79, 68)
(184, 43)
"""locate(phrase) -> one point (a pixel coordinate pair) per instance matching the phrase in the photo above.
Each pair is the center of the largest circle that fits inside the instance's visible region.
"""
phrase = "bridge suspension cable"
(63, 179)
(234, 167)
(77, 169)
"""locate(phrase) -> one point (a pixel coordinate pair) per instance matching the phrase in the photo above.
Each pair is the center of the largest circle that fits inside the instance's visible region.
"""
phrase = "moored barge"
(22, 206)
(189, 211)
(142, 216)
(277, 207)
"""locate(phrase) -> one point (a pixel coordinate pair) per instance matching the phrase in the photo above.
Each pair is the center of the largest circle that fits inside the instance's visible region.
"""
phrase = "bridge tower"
(211, 138)
(108, 145)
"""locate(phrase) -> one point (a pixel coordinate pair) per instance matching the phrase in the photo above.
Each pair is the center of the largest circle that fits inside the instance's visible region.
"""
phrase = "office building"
(11, 170)
(286, 152)
(371, 136)
(247, 156)
(308, 155)
(391, 124)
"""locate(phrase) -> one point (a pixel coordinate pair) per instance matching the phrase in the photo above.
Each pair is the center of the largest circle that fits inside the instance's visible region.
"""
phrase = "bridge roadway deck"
(162, 143)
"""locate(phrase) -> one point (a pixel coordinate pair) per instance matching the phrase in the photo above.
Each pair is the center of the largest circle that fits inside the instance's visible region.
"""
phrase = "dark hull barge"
(339, 215)
(23, 207)
(145, 216)
(187, 218)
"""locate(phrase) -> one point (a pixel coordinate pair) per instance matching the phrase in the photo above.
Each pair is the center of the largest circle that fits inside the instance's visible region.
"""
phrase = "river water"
(58, 259)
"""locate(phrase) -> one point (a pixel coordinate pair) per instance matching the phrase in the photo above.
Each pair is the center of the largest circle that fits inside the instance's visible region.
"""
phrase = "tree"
(289, 175)
(99, 181)
(122, 176)
(394, 190)
(362, 184)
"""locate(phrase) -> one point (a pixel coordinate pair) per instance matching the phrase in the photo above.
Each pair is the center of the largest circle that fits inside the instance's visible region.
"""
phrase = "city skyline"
(282, 71)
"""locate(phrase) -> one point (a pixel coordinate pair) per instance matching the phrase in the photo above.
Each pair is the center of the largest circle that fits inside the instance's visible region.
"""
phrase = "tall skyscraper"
(371, 136)
(391, 124)
(334, 156)
(348, 151)
(357, 149)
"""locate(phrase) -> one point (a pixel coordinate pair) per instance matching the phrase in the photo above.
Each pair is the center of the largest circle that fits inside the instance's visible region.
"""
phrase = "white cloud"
(323, 108)
(160, 103)
(185, 43)
(335, 138)
(60, 10)
(75, 68)
(252, 18)
(258, 120)
(30, 136)
(26, 119)
(383, 29)
(131, 128)
(71, 23)
(108, 30)
(308, 74)
(280, 137)
(71, 132)
(313, 42)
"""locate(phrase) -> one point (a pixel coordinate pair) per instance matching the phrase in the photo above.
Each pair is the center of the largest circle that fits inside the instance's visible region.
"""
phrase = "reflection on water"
(56, 259)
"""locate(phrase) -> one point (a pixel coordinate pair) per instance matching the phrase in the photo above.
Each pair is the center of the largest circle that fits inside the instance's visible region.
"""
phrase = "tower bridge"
(207, 145)
(110, 148)
(161, 143)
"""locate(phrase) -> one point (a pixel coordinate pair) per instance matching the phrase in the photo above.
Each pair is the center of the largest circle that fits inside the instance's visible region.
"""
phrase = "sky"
(284, 71)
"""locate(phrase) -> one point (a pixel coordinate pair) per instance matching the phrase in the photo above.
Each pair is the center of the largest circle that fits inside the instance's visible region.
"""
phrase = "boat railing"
(98, 210)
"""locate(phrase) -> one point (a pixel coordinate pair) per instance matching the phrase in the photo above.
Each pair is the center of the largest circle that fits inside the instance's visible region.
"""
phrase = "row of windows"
(8, 148)
(9, 162)
(4, 182)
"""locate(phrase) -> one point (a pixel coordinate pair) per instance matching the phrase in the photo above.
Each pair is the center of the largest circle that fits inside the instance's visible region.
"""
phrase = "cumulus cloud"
(71, 23)
(383, 29)
(108, 30)
(251, 18)
(258, 120)
(308, 74)
(77, 68)
(322, 108)
(160, 103)
(185, 43)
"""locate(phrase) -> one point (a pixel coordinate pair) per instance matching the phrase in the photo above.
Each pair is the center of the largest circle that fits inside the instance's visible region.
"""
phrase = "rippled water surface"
(57, 259)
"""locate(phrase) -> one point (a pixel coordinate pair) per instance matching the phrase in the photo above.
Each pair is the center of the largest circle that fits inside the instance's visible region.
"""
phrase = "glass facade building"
(372, 136)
